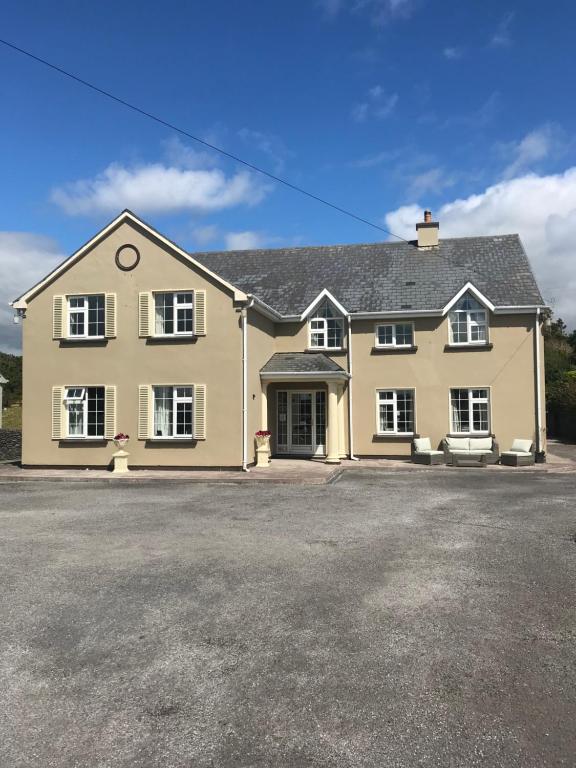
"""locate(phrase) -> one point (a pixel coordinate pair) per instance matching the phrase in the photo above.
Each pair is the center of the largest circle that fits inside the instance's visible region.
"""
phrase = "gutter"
(350, 411)
(244, 323)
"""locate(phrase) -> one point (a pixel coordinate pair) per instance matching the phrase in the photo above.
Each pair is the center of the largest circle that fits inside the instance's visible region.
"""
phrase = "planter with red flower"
(262, 447)
(121, 440)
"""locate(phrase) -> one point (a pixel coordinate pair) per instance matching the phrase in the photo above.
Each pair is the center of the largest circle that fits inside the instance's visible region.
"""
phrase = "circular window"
(127, 257)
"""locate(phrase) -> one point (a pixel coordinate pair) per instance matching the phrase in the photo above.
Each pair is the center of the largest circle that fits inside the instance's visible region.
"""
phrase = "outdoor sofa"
(422, 452)
(520, 455)
(485, 449)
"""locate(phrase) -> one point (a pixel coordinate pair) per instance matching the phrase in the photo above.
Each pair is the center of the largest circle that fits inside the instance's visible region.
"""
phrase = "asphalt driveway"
(393, 619)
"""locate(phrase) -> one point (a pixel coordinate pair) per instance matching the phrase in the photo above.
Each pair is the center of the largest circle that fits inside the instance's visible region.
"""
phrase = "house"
(339, 351)
(2, 382)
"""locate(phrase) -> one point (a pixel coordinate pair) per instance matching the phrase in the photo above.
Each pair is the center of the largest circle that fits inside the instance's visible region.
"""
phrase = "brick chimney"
(427, 231)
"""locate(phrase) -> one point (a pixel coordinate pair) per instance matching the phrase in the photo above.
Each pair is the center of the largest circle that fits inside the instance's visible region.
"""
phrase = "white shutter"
(199, 411)
(144, 412)
(200, 313)
(58, 412)
(145, 314)
(109, 412)
(110, 315)
(58, 317)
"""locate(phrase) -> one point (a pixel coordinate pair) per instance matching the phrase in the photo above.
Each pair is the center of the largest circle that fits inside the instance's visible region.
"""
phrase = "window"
(468, 324)
(173, 412)
(85, 412)
(469, 410)
(86, 317)
(395, 335)
(326, 328)
(174, 313)
(395, 411)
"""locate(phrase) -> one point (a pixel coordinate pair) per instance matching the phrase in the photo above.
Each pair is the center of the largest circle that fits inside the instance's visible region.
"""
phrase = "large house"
(339, 351)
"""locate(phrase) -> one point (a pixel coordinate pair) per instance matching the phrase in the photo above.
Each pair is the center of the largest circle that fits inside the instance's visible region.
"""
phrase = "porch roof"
(292, 364)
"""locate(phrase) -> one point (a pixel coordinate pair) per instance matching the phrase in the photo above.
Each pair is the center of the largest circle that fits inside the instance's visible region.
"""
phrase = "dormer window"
(326, 328)
(468, 322)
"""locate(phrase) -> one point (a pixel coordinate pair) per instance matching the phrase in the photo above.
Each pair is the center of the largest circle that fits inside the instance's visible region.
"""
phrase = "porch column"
(341, 437)
(264, 406)
(333, 456)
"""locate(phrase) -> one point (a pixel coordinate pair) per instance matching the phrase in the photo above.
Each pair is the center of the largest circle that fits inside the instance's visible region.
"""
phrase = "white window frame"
(394, 402)
(469, 324)
(471, 400)
(175, 400)
(176, 305)
(82, 311)
(394, 343)
(323, 329)
(82, 397)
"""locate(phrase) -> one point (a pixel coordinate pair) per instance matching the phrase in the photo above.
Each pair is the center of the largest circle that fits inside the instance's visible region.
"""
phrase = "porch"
(303, 405)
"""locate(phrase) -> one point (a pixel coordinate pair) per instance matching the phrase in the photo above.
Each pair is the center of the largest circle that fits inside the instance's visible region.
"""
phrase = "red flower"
(263, 433)
(122, 436)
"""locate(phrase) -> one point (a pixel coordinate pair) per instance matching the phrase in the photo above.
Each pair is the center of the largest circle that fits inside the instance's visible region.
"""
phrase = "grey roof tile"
(381, 276)
(301, 362)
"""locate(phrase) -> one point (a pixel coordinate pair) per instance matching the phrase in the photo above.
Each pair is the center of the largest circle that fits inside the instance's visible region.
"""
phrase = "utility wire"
(173, 127)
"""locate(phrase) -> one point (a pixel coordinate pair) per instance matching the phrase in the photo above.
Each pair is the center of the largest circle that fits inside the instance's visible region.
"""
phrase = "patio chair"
(422, 452)
(520, 455)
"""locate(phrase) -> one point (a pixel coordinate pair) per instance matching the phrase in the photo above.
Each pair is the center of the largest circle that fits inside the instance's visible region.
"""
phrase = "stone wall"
(10, 445)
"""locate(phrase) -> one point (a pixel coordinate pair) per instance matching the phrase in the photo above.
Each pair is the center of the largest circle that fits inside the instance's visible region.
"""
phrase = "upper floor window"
(395, 411)
(395, 335)
(468, 322)
(86, 316)
(326, 328)
(174, 313)
(85, 412)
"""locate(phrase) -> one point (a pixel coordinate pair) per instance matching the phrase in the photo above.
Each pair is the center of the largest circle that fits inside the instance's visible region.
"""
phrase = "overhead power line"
(197, 139)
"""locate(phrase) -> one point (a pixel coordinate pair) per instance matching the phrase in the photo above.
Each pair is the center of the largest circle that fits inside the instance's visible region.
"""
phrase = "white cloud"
(205, 234)
(380, 12)
(535, 146)
(501, 37)
(182, 155)
(541, 209)
(452, 53)
(433, 181)
(378, 105)
(25, 258)
(244, 241)
(158, 188)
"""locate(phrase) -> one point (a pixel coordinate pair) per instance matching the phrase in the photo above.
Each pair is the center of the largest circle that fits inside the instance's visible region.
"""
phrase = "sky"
(383, 107)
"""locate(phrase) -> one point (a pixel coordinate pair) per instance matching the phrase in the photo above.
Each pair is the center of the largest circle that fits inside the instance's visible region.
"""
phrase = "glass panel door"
(320, 423)
(301, 421)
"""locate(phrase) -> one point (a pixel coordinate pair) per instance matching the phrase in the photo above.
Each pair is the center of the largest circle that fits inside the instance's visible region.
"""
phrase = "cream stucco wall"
(127, 361)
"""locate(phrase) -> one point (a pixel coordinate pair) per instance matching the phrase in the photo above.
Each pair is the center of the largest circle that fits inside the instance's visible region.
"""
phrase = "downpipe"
(350, 410)
(244, 323)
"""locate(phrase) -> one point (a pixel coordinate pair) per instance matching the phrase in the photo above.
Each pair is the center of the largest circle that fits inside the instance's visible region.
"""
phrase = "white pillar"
(264, 406)
(333, 455)
(341, 436)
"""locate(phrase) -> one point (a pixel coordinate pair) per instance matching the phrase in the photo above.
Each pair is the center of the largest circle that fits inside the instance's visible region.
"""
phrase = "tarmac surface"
(390, 619)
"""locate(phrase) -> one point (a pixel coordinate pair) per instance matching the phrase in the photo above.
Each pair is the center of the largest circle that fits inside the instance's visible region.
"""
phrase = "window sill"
(393, 435)
(84, 441)
(470, 434)
(89, 341)
(181, 338)
(328, 350)
(394, 350)
(468, 347)
(171, 439)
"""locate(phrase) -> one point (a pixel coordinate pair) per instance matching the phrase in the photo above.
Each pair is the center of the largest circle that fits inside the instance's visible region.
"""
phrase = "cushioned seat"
(474, 447)
(515, 453)
(520, 454)
(423, 453)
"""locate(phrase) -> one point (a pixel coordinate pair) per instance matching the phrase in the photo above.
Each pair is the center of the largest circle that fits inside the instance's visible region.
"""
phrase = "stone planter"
(121, 444)
(262, 450)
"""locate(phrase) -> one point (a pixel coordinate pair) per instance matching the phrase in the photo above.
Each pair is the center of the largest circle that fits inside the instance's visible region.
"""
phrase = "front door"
(301, 422)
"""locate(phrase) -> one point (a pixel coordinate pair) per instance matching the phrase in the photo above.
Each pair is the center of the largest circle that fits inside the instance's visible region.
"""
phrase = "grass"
(12, 417)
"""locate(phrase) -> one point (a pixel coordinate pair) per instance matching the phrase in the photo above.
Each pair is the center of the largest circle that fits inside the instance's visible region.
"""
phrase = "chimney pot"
(427, 216)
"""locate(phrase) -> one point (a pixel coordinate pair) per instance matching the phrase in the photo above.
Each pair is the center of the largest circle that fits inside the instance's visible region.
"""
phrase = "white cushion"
(521, 446)
(458, 443)
(480, 452)
(516, 453)
(422, 444)
(432, 453)
(481, 443)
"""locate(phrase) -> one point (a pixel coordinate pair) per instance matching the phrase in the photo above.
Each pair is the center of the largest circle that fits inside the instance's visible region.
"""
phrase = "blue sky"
(382, 106)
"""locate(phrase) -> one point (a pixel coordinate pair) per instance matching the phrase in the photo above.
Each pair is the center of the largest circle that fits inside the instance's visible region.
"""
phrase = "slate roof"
(382, 276)
(301, 362)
